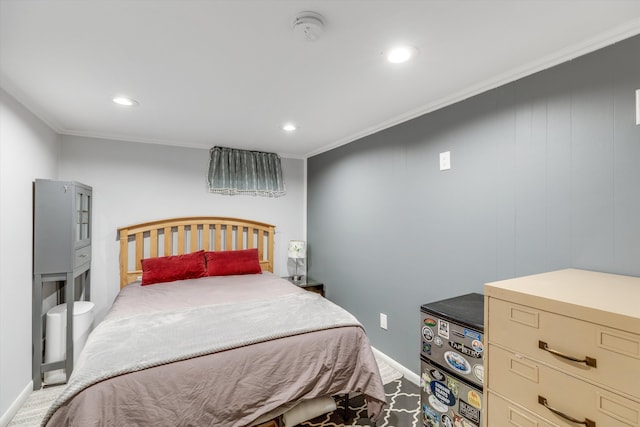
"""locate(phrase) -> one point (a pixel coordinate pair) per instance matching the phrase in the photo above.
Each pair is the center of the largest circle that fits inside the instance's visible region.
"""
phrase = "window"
(247, 172)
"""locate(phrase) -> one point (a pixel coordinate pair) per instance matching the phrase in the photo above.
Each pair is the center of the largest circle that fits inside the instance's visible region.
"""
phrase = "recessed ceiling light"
(401, 54)
(123, 100)
(289, 127)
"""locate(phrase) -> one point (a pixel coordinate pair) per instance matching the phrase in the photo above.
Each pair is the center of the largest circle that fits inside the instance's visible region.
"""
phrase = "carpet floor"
(35, 407)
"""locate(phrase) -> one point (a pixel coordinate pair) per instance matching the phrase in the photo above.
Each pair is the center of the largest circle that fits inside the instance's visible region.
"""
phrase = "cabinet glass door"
(83, 208)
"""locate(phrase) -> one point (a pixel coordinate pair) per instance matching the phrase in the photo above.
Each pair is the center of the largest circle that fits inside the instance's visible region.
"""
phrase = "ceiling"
(231, 73)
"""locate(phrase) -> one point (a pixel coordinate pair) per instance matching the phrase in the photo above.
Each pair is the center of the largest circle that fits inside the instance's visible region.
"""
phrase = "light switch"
(638, 107)
(445, 160)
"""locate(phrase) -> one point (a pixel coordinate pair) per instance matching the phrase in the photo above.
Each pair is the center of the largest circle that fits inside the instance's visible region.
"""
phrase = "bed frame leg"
(345, 415)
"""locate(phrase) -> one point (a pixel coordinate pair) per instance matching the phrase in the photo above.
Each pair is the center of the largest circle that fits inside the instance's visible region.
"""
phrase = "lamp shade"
(297, 249)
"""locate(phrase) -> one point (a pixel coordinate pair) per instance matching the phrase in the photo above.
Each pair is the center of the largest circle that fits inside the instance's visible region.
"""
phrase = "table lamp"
(297, 250)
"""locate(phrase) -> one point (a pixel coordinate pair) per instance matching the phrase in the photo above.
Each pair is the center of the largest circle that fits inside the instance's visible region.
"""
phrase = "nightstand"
(308, 284)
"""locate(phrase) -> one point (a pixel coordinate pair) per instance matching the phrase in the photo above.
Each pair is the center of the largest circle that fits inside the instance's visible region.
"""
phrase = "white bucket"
(56, 335)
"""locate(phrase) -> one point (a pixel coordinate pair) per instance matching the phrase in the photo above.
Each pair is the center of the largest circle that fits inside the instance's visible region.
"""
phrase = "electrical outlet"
(445, 160)
(383, 321)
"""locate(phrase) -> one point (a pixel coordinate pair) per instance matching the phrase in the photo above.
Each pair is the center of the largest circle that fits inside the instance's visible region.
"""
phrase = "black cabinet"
(308, 284)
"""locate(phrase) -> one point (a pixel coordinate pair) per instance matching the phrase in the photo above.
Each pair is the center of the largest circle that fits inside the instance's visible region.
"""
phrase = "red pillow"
(171, 268)
(226, 263)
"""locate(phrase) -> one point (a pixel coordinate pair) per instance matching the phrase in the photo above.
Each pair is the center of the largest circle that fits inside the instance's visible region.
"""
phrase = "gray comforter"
(181, 360)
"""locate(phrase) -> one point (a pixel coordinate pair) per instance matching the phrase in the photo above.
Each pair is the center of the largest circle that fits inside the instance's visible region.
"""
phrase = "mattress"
(227, 386)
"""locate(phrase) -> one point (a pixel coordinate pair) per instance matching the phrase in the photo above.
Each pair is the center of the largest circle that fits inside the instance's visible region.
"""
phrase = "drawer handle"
(587, 422)
(589, 361)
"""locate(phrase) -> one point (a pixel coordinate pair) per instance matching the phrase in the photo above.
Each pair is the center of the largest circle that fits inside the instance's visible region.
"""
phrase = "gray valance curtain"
(253, 173)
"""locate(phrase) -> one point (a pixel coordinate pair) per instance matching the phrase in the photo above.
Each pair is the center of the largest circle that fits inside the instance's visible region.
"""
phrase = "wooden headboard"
(176, 236)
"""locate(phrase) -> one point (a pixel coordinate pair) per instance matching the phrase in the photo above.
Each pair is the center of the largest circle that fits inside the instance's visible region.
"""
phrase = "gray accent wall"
(545, 175)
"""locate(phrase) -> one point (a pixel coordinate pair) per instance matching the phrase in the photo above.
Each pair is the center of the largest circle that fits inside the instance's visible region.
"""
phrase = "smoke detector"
(309, 24)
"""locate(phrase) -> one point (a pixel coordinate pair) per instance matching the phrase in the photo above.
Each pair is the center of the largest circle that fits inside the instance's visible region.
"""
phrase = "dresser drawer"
(82, 256)
(504, 413)
(525, 381)
(615, 353)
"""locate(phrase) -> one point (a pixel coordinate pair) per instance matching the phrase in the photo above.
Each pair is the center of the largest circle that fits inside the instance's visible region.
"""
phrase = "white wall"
(28, 150)
(134, 182)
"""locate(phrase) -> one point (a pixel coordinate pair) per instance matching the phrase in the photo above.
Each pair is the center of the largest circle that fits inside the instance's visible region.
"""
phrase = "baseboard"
(6, 418)
(407, 373)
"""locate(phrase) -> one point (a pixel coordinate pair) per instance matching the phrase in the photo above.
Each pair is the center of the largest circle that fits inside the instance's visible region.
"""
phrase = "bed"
(235, 346)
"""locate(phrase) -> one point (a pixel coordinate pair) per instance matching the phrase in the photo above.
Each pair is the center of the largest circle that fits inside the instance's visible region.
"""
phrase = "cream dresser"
(563, 349)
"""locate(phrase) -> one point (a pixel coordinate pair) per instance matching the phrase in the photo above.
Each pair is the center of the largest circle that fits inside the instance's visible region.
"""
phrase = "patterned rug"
(402, 410)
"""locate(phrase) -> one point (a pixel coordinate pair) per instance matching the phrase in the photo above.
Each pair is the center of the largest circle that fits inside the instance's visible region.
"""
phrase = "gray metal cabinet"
(61, 253)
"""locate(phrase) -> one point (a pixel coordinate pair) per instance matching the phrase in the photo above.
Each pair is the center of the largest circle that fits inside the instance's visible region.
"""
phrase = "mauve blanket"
(215, 364)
